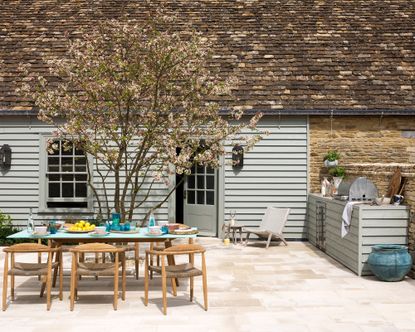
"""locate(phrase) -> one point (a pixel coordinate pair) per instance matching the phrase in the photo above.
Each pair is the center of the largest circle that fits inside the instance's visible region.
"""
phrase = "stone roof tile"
(287, 54)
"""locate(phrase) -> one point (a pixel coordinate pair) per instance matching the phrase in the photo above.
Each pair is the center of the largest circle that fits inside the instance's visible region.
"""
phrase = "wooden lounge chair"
(271, 227)
(44, 270)
(186, 270)
(81, 268)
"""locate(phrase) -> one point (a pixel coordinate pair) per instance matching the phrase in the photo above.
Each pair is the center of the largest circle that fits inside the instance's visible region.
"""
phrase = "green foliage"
(337, 171)
(6, 229)
(332, 156)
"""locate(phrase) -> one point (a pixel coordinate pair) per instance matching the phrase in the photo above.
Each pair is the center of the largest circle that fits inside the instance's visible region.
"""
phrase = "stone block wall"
(370, 146)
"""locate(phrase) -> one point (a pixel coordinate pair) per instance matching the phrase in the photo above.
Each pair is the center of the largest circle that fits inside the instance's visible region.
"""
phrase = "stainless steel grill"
(357, 189)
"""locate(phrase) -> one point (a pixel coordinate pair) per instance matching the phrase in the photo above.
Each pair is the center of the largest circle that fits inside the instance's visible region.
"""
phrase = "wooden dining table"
(65, 237)
(62, 237)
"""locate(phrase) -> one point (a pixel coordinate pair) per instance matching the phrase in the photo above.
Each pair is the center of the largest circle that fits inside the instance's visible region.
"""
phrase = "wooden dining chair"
(30, 269)
(82, 268)
(172, 272)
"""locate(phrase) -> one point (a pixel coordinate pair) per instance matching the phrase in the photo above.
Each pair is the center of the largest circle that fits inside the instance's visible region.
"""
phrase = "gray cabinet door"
(200, 200)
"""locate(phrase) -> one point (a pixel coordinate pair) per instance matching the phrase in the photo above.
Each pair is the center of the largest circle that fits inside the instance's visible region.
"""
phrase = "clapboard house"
(327, 75)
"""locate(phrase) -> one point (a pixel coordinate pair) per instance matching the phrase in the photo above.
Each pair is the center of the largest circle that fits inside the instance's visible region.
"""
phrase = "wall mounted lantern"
(5, 157)
(237, 156)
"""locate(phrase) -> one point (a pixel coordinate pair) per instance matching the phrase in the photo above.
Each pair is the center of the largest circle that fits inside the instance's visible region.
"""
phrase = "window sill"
(65, 211)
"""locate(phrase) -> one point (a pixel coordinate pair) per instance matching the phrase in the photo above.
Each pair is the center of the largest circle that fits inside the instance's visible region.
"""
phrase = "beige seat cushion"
(30, 269)
(178, 271)
(96, 269)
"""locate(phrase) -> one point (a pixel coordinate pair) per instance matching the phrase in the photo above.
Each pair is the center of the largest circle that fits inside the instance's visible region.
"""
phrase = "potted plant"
(331, 159)
(338, 174)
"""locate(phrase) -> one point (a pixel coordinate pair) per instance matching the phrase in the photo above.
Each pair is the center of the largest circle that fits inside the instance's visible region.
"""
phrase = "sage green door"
(200, 200)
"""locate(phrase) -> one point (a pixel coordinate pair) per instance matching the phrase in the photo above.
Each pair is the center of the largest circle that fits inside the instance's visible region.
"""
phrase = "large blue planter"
(390, 262)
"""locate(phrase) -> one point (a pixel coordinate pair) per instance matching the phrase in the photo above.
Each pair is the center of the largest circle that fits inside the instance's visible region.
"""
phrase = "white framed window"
(63, 178)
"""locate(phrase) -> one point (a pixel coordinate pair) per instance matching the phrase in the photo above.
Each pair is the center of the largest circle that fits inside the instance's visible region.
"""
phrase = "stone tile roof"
(288, 54)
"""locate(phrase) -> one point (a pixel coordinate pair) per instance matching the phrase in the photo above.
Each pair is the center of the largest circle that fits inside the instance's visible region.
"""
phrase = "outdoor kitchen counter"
(370, 225)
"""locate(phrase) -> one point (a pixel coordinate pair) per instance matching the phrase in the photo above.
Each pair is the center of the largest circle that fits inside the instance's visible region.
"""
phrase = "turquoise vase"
(390, 262)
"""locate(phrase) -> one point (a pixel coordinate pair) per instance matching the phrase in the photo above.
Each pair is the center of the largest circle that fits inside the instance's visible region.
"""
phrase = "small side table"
(233, 230)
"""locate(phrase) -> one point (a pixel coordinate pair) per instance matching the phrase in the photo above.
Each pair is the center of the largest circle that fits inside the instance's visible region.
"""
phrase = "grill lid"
(358, 189)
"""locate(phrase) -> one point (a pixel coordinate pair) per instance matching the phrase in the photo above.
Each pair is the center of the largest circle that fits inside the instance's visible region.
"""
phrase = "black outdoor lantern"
(237, 156)
(5, 157)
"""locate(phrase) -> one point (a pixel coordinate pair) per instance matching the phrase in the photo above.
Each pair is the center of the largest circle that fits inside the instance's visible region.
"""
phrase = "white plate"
(40, 234)
(98, 235)
(150, 234)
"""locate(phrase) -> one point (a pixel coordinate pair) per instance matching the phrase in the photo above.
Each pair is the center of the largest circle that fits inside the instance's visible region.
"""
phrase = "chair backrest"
(29, 247)
(181, 249)
(96, 247)
(274, 219)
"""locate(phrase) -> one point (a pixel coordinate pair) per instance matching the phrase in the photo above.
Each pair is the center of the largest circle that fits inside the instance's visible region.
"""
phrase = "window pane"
(79, 152)
(200, 169)
(210, 182)
(210, 198)
(190, 197)
(200, 197)
(191, 181)
(80, 189)
(80, 177)
(54, 148)
(66, 148)
(193, 170)
(210, 170)
(67, 165)
(54, 189)
(67, 177)
(80, 164)
(53, 164)
(67, 189)
(54, 177)
(200, 181)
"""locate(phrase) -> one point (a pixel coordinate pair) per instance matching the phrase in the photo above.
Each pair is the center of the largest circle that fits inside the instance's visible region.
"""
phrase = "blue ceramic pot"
(390, 262)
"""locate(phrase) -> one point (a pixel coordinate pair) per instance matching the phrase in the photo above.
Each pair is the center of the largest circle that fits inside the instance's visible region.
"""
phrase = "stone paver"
(294, 288)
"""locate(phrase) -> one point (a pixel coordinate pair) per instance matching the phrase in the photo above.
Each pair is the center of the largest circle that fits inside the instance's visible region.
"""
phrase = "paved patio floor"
(294, 288)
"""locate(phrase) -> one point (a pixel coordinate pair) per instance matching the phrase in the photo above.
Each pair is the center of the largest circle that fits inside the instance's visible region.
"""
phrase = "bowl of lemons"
(81, 226)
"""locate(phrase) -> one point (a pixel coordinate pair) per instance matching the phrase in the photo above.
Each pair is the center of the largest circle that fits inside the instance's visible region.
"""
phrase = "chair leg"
(123, 278)
(49, 282)
(191, 288)
(137, 259)
(116, 272)
(164, 286)
(60, 265)
(173, 286)
(5, 277)
(55, 270)
(192, 262)
(204, 276)
(39, 258)
(12, 287)
(283, 240)
(269, 240)
(73, 280)
(43, 286)
(146, 281)
(151, 260)
(247, 237)
(96, 262)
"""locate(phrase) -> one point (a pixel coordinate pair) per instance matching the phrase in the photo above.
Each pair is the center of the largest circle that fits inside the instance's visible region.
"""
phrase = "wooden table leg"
(240, 235)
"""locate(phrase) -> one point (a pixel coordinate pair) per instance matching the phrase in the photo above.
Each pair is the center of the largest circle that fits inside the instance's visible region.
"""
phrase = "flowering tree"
(138, 98)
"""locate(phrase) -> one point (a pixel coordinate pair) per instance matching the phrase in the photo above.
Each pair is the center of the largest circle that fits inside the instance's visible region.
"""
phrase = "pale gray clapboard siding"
(274, 174)
(370, 225)
(19, 187)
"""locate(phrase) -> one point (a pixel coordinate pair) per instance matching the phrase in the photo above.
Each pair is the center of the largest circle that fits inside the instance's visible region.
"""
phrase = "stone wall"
(370, 146)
